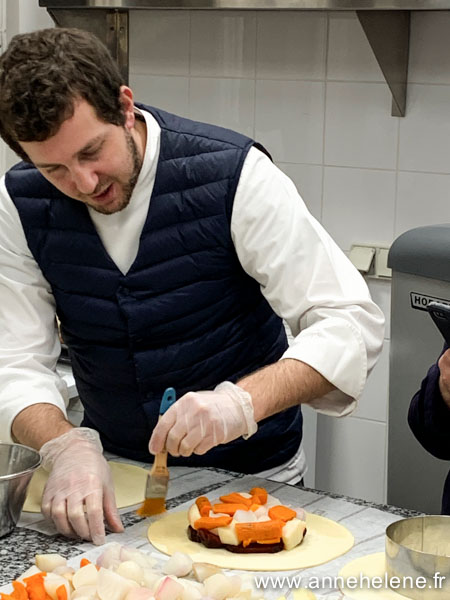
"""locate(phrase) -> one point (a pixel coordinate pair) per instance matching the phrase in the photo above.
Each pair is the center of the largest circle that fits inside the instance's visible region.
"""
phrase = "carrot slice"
(61, 593)
(4, 596)
(254, 507)
(212, 522)
(259, 531)
(259, 494)
(35, 587)
(84, 562)
(20, 592)
(203, 505)
(236, 498)
(281, 513)
(228, 509)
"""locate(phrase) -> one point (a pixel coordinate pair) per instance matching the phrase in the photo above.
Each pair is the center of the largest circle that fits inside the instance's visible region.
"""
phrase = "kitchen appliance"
(420, 263)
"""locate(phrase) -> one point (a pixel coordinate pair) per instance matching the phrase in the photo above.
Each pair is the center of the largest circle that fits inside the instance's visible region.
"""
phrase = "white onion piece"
(204, 570)
(218, 586)
(151, 579)
(139, 593)
(260, 512)
(179, 564)
(110, 557)
(87, 575)
(52, 582)
(49, 562)
(130, 570)
(191, 593)
(244, 516)
(87, 591)
(142, 559)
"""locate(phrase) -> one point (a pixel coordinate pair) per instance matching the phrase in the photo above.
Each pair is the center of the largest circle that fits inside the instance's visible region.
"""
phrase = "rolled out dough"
(129, 486)
(372, 565)
(324, 541)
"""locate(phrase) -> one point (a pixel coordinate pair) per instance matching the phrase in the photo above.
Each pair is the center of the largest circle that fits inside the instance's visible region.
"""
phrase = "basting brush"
(158, 478)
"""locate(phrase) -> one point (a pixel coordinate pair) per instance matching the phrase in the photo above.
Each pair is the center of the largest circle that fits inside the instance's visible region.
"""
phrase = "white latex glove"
(79, 491)
(199, 421)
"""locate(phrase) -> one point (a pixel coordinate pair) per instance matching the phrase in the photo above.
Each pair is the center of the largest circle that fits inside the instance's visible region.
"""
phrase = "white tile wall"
(351, 457)
(307, 85)
(223, 44)
(289, 119)
(350, 57)
(291, 45)
(359, 129)
(225, 102)
(358, 205)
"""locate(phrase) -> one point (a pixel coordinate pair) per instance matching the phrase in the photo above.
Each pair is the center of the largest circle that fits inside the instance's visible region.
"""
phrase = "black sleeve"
(429, 416)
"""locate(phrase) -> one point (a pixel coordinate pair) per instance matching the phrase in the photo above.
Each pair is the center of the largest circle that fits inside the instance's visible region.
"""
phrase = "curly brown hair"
(41, 75)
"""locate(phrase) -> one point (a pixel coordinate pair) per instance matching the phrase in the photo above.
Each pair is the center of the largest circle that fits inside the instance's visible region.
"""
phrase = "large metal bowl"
(17, 464)
(419, 547)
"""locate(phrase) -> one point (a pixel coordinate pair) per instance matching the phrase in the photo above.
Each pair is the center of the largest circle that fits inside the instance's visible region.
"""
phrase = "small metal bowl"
(17, 464)
(419, 547)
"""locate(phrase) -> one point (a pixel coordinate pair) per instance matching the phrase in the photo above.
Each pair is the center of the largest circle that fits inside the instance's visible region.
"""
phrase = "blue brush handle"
(169, 397)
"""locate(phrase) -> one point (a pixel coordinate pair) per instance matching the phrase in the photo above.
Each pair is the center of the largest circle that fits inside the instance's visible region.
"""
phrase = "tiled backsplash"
(306, 85)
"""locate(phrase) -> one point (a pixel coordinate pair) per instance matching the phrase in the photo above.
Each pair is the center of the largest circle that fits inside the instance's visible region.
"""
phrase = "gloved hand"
(198, 421)
(79, 491)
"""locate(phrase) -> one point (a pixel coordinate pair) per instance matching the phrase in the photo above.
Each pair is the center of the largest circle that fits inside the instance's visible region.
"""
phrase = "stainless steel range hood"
(386, 24)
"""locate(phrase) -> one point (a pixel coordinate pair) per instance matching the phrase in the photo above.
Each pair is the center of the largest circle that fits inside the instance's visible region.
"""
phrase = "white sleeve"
(29, 343)
(308, 281)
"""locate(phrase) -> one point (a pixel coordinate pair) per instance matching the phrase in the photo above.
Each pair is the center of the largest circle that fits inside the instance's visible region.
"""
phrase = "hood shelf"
(386, 24)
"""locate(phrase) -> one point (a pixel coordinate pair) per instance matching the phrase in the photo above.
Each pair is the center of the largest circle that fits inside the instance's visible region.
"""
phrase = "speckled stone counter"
(366, 521)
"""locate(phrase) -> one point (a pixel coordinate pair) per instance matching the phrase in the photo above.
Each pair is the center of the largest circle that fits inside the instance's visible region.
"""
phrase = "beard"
(128, 187)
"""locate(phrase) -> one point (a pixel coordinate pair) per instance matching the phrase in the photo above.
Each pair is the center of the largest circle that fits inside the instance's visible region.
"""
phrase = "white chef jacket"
(305, 277)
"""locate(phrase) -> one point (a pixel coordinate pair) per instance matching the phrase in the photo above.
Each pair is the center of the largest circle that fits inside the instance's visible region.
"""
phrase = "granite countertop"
(366, 521)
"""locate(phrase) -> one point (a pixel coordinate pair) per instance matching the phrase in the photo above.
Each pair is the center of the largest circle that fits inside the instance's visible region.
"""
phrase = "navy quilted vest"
(185, 315)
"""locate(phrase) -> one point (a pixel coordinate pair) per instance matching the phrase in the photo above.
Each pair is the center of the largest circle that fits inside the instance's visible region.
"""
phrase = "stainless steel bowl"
(419, 547)
(17, 464)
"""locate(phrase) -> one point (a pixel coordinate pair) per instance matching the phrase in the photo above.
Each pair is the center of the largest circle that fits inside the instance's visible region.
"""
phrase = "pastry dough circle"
(324, 540)
(372, 565)
(129, 486)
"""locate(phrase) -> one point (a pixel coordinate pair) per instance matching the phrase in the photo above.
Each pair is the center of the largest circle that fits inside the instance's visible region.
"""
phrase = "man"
(170, 251)
(429, 415)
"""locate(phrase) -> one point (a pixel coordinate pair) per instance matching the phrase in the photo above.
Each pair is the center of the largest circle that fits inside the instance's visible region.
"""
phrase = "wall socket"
(371, 260)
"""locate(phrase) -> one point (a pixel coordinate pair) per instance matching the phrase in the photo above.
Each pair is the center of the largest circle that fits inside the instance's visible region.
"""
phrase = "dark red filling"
(211, 540)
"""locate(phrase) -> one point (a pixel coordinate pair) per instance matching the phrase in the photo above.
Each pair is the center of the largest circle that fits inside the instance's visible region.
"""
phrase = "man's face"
(89, 160)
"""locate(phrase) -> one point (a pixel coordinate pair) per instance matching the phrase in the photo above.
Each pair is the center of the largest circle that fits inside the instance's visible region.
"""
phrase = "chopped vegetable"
(20, 592)
(35, 587)
(259, 494)
(236, 498)
(282, 513)
(204, 506)
(228, 508)
(259, 531)
(61, 592)
(84, 562)
(212, 522)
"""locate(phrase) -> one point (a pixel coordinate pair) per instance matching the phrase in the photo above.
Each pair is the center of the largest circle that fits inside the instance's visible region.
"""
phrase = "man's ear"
(126, 100)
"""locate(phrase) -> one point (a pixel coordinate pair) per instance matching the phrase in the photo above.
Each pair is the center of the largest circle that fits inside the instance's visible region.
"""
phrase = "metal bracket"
(388, 35)
(111, 26)
(387, 31)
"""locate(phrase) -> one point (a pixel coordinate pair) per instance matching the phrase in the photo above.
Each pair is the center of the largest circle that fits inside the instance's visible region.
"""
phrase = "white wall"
(307, 85)
(19, 16)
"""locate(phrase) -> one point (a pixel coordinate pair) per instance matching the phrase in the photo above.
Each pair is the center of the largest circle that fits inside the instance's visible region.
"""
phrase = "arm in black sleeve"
(429, 416)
